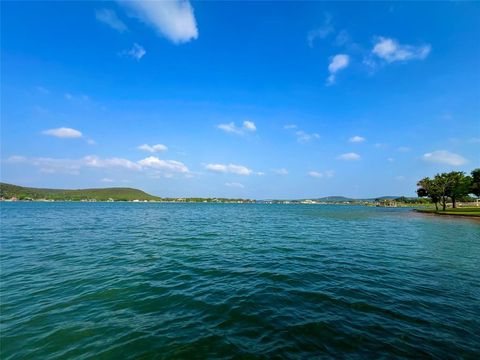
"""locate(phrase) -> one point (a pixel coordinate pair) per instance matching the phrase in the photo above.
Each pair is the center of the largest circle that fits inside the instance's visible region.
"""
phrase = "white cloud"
(304, 137)
(247, 126)
(168, 165)
(72, 166)
(390, 159)
(137, 52)
(281, 171)
(230, 127)
(173, 19)
(390, 50)
(153, 148)
(234, 185)
(444, 157)
(321, 32)
(230, 168)
(357, 139)
(15, 159)
(337, 63)
(50, 165)
(107, 180)
(95, 161)
(63, 132)
(109, 17)
(326, 174)
(349, 156)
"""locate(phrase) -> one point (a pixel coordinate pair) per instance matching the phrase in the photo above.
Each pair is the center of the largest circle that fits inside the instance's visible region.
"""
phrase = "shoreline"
(474, 215)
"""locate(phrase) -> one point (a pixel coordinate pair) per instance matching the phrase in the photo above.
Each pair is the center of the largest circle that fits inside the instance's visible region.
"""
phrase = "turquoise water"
(142, 281)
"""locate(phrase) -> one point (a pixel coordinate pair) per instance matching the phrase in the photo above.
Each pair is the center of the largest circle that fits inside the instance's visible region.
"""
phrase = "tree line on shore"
(455, 185)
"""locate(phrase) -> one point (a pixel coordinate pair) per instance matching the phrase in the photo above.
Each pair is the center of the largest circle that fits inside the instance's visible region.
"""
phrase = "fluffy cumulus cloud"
(337, 63)
(247, 126)
(391, 50)
(63, 132)
(110, 18)
(153, 148)
(319, 175)
(235, 185)
(229, 168)
(349, 156)
(357, 139)
(172, 19)
(73, 166)
(444, 157)
(167, 165)
(95, 161)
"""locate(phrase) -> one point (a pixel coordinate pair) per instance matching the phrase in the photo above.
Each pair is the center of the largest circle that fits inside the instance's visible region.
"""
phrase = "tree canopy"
(454, 185)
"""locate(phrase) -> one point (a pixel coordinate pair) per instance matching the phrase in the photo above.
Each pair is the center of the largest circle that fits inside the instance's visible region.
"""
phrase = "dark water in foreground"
(141, 281)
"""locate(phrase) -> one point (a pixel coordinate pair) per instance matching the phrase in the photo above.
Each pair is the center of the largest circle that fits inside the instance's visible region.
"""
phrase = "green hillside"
(117, 194)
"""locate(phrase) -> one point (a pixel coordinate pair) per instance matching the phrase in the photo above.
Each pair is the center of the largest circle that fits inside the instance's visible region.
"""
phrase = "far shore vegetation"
(446, 194)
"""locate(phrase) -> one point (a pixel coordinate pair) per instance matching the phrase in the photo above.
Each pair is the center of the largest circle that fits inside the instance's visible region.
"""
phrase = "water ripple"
(161, 281)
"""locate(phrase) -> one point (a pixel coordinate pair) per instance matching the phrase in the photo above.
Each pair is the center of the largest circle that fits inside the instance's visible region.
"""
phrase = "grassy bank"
(467, 211)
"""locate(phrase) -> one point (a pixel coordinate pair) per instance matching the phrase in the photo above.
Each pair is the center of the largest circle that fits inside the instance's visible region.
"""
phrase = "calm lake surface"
(142, 281)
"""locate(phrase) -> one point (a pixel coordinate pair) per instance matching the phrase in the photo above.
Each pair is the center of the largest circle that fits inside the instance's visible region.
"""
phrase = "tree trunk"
(444, 203)
(436, 206)
(454, 203)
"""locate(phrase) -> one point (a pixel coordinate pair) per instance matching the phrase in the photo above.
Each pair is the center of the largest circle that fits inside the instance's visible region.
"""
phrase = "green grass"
(467, 211)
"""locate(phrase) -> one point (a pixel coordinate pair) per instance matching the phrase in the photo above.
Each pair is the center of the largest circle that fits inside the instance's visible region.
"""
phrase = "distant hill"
(334, 199)
(105, 194)
(385, 198)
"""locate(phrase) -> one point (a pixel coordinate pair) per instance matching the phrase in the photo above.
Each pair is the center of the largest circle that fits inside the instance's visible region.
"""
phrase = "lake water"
(142, 281)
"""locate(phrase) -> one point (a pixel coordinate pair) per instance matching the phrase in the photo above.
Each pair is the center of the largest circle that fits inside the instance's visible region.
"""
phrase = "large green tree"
(428, 188)
(475, 183)
(459, 186)
(454, 185)
(443, 183)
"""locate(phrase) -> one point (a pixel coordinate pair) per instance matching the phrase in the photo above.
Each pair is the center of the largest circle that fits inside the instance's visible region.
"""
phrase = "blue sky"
(255, 99)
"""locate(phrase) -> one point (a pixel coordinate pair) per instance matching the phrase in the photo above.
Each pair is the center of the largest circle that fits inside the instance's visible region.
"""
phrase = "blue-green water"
(141, 281)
